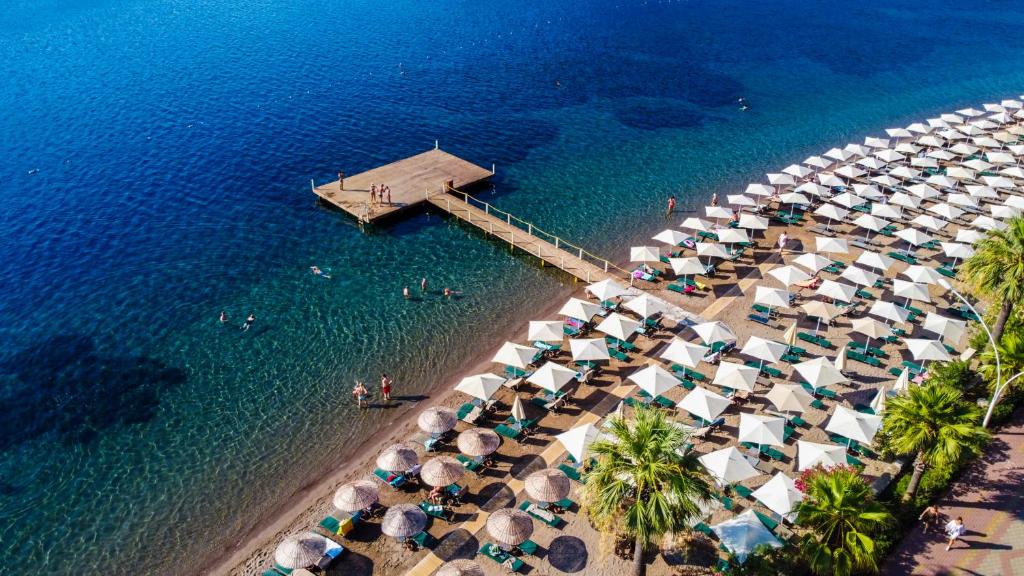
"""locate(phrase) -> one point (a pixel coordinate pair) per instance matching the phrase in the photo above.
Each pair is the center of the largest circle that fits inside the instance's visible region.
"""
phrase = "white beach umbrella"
(618, 326)
(885, 211)
(753, 222)
(819, 372)
(987, 223)
(869, 327)
(885, 180)
(546, 331)
(688, 265)
(957, 250)
(889, 311)
(924, 162)
(712, 250)
(849, 172)
(789, 336)
(878, 402)
(577, 440)
(481, 386)
(960, 173)
(946, 211)
(848, 200)
(968, 236)
(823, 311)
(717, 212)
(961, 199)
(759, 190)
(714, 331)
(923, 191)
(902, 383)
(998, 182)
(857, 149)
(744, 534)
(868, 191)
(833, 245)
(942, 181)
(929, 222)
(999, 157)
(797, 171)
(579, 309)
(977, 164)
(728, 466)
(875, 260)
(811, 261)
(1013, 172)
(888, 155)
(859, 276)
(818, 162)
(951, 118)
(794, 198)
(654, 380)
(551, 376)
(606, 289)
(686, 353)
(789, 275)
(811, 454)
(704, 403)
(1004, 212)
(910, 290)
(789, 398)
(736, 376)
(782, 179)
(762, 349)
(517, 355)
(1014, 202)
(905, 200)
(300, 551)
(963, 149)
(732, 235)
(645, 305)
(812, 188)
(839, 154)
(829, 179)
(836, 290)
(853, 425)
(696, 224)
(904, 172)
(644, 254)
(780, 495)
(772, 297)
(922, 274)
(869, 222)
(761, 430)
(831, 212)
(924, 349)
(913, 236)
(670, 237)
(919, 128)
(588, 349)
(876, 142)
(945, 327)
(740, 200)
(518, 411)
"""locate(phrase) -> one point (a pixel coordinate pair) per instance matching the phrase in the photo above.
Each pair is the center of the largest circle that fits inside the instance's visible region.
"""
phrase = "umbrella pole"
(817, 325)
(867, 345)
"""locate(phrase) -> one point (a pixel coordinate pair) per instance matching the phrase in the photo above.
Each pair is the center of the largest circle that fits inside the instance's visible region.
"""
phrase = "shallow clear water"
(171, 146)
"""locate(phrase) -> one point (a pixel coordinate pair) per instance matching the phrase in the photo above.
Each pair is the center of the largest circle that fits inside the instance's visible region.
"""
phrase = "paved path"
(990, 497)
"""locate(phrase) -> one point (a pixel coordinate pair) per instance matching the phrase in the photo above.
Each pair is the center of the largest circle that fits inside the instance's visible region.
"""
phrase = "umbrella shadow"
(459, 543)
(568, 554)
(494, 496)
(352, 564)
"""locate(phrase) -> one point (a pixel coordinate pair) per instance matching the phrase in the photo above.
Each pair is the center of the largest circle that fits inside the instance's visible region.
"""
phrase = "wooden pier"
(410, 181)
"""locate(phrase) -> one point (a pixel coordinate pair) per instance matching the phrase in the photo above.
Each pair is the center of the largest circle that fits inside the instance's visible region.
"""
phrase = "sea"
(155, 168)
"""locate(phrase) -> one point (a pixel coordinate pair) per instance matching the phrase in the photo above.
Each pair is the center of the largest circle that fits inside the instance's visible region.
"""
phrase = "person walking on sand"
(385, 386)
(671, 205)
(930, 518)
(955, 529)
(361, 394)
(783, 239)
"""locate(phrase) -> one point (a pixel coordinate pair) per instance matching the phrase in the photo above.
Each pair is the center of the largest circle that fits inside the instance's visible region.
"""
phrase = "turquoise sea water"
(154, 167)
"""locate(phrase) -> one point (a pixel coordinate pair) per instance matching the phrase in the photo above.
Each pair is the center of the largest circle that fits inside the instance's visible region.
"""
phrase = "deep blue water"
(155, 158)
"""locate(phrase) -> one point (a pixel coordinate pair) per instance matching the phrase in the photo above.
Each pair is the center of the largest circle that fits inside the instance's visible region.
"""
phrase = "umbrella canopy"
(577, 440)
(579, 309)
(618, 326)
(884, 211)
(753, 222)
(779, 495)
(854, 425)
(300, 551)
(930, 222)
(789, 336)
(403, 521)
(913, 236)
(740, 200)
(607, 289)
(696, 224)
(548, 485)
(818, 162)
(923, 191)
(645, 305)
(901, 199)
(728, 465)
(714, 331)
(397, 458)
(781, 179)
(441, 471)
(762, 429)
(518, 412)
(682, 352)
(945, 327)
(712, 250)
(923, 349)
(831, 211)
(460, 567)
(819, 372)
(759, 190)
(589, 349)
(968, 236)
(902, 382)
(911, 290)
(356, 496)
(704, 403)
(799, 171)
(946, 211)
(481, 386)
(654, 380)
(789, 275)
(859, 276)
(551, 376)
(811, 261)
(773, 297)
(736, 376)
(510, 526)
(794, 198)
(822, 310)
(670, 237)
(688, 265)
(812, 188)
(789, 397)
(762, 349)
(437, 420)
(870, 327)
(878, 402)
(890, 311)
(840, 362)
(546, 331)
(719, 211)
(811, 454)
(517, 355)
(826, 244)
(478, 442)
(922, 274)
(869, 222)
(644, 254)
(957, 250)
(847, 199)
(837, 290)
(744, 534)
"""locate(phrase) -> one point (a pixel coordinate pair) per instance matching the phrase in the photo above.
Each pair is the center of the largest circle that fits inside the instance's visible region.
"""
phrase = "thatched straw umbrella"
(403, 521)
(300, 551)
(397, 458)
(460, 567)
(438, 420)
(548, 485)
(442, 471)
(510, 526)
(355, 496)
(479, 442)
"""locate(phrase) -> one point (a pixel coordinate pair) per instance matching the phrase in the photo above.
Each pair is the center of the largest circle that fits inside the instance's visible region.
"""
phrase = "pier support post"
(312, 184)
(493, 168)
(435, 145)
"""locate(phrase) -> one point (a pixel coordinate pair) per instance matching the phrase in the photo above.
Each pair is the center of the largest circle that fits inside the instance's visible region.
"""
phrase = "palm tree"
(1011, 356)
(935, 424)
(644, 481)
(997, 269)
(841, 514)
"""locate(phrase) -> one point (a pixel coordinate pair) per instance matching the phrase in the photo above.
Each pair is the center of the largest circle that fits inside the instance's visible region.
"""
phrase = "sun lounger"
(903, 257)
(393, 480)
(854, 461)
(704, 529)
(764, 310)
(877, 352)
(618, 355)
(725, 500)
(572, 472)
(790, 358)
(469, 413)
(798, 421)
(546, 516)
(742, 490)
(661, 400)
(621, 344)
(863, 358)
(768, 522)
(946, 271)
(509, 432)
(469, 463)
(759, 319)
(766, 370)
(864, 294)
(342, 526)
(547, 347)
(915, 369)
(436, 511)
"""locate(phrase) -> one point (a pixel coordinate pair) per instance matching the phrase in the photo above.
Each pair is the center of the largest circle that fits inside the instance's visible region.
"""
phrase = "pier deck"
(410, 180)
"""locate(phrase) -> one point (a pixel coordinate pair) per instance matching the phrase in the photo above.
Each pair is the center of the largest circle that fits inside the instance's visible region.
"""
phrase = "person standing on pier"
(341, 180)
(373, 194)
(389, 194)
(671, 205)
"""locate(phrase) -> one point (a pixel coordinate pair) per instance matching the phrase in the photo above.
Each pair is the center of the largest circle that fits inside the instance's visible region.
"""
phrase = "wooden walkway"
(410, 180)
(520, 234)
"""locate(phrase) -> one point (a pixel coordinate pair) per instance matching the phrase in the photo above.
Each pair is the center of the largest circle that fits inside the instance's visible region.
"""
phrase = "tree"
(997, 269)
(644, 482)
(935, 424)
(1011, 356)
(841, 515)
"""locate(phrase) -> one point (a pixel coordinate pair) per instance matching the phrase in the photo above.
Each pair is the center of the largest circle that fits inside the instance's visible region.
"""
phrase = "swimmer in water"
(223, 317)
(318, 272)
(405, 292)
(249, 322)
